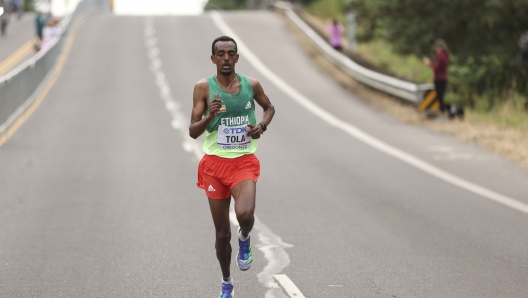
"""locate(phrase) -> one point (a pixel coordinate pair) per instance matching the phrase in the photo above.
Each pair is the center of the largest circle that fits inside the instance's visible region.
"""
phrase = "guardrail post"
(351, 30)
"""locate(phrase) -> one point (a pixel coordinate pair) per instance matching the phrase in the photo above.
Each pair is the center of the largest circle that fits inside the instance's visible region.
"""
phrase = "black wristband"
(264, 126)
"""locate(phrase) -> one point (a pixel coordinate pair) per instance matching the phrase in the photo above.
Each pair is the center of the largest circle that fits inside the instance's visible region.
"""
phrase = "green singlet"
(226, 135)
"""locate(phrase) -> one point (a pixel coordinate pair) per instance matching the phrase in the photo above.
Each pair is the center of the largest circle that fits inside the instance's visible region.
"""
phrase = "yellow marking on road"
(15, 58)
(426, 102)
(11, 130)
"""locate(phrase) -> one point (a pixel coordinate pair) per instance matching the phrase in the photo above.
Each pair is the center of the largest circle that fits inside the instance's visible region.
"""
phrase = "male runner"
(224, 108)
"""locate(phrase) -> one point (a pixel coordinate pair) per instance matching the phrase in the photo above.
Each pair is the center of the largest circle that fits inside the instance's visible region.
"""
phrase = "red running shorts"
(217, 175)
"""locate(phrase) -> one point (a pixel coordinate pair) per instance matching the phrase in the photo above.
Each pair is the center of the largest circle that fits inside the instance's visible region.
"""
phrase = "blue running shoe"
(245, 253)
(227, 291)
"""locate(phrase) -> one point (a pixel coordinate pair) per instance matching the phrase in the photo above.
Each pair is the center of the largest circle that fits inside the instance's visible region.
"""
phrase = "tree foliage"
(29, 5)
(304, 2)
(482, 36)
(227, 4)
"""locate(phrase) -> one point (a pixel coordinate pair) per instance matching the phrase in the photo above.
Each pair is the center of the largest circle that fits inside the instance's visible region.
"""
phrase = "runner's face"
(225, 57)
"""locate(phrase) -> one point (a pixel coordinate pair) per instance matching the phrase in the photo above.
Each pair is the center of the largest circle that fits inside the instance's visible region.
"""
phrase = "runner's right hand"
(215, 106)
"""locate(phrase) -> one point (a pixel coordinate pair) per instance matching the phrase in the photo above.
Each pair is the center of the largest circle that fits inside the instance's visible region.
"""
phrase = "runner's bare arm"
(269, 110)
(200, 100)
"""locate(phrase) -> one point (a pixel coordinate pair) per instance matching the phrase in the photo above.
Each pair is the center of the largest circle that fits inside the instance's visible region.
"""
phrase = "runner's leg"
(220, 213)
(244, 194)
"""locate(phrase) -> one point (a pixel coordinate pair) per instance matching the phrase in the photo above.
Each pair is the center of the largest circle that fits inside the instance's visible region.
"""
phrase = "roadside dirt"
(510, 143)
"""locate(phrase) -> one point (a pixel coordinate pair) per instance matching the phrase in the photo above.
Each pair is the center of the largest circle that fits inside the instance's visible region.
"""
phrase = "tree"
(227, 4)
(481, 34)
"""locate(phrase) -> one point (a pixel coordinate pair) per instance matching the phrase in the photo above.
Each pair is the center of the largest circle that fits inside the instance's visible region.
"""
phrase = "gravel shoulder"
(510, 143)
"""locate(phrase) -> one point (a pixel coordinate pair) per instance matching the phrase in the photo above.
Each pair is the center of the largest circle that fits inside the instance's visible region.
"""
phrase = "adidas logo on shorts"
(211, 188)
(248, 106)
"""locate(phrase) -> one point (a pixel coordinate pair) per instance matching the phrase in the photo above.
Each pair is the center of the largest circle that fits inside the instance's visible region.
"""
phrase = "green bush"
(329, 9)
(482, 36)
(29, 5)
(227, 4)
(382, 54)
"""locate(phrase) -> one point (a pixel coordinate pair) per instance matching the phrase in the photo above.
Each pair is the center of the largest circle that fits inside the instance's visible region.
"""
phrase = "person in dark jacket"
(440, 66)
(40, 22)
(523, 48)
(5, 13)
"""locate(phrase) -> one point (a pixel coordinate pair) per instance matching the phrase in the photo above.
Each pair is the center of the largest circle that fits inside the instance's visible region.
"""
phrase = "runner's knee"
(245, 217)
(223, 236)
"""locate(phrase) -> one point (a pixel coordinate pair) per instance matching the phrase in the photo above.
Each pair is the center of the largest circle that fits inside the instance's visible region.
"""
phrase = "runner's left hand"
(255, 131)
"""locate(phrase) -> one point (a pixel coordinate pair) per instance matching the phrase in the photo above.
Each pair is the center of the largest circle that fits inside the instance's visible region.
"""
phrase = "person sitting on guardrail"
(50, 33)
(335, 29)
(440, 66)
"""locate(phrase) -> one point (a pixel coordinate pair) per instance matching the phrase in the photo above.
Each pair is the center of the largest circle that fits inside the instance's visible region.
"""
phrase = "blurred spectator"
(50, 33)
(523, 47)
(40, 22)
(17, 7)
(439, 66)
(5, 13)
(335, 29)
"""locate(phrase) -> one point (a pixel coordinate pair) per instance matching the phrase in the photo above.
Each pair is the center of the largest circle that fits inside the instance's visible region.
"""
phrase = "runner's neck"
(229, 84)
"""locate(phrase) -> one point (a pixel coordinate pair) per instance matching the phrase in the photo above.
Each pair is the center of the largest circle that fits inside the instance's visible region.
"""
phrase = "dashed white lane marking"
(359, 134)
(274, 251)
(289, 286)
(270, 244)
(178, 118)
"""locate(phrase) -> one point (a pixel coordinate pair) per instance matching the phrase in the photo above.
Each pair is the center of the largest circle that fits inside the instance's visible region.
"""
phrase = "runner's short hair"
(224, 38)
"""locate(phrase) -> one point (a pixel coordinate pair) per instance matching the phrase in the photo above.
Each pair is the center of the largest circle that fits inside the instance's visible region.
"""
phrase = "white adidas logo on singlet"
(211, 188)
(248, 106)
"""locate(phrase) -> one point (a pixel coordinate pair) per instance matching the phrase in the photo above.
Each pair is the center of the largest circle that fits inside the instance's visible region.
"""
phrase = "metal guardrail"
(397, 87)
(19, 86)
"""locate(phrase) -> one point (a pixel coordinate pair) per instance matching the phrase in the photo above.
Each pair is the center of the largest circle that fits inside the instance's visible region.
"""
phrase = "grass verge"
(511, 114)
(498, 132)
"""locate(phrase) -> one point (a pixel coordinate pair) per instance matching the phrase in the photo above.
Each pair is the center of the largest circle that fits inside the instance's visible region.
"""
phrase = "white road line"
(288, 285)
(178, 118)
(274, 251)
(359, 134)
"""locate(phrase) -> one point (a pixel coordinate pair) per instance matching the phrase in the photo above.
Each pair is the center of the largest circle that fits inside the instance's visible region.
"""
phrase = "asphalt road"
(18, 33)
(98, 195)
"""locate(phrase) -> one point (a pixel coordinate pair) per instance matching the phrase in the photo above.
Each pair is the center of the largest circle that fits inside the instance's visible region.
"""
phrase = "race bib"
(233, 137)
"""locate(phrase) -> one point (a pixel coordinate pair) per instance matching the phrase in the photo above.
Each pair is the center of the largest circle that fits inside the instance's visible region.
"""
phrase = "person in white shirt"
(50, 33)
